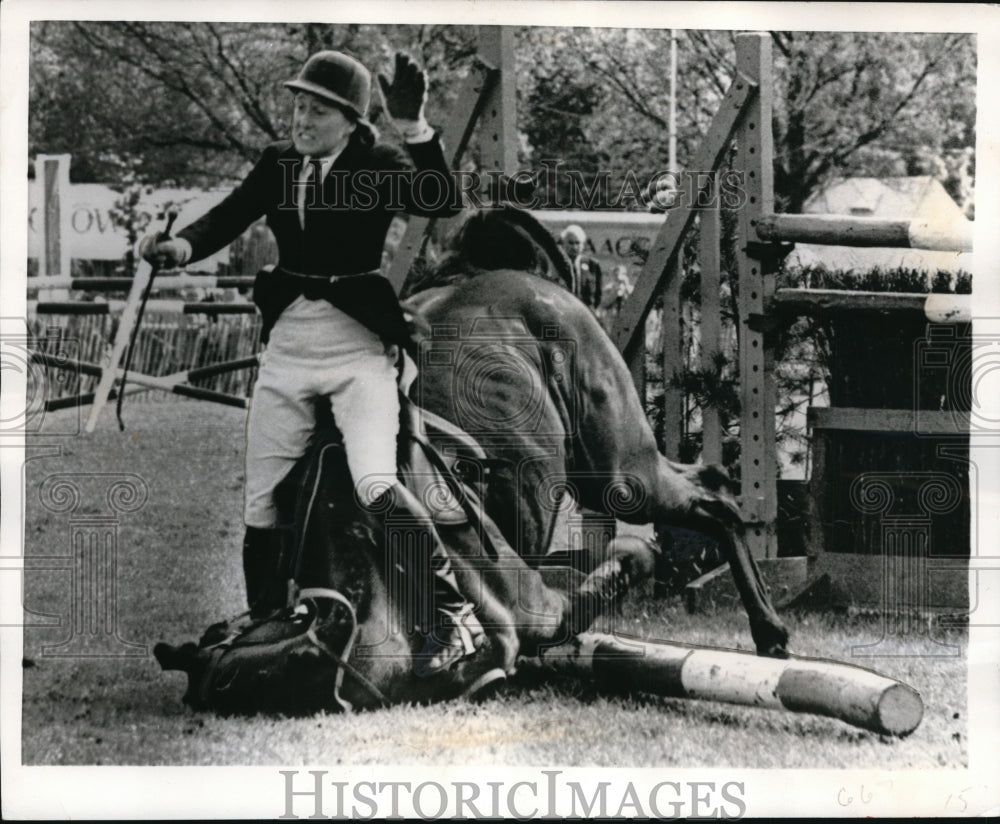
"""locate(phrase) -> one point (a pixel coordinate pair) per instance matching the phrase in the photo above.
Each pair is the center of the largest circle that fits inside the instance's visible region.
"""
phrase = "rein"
(343, 665)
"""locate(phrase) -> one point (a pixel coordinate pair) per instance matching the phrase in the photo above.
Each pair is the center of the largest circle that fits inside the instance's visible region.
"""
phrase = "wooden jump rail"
(846, 230)
(173, 307)
(109, 372)
(177, 383)
(937, 308)
(123, 284)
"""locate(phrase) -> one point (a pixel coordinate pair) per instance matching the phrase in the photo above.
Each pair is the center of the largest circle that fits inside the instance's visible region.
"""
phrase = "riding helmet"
(337, 78)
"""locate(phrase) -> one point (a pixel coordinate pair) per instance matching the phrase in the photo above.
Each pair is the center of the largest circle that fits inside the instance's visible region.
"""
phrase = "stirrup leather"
(471, 640)
(449, 642)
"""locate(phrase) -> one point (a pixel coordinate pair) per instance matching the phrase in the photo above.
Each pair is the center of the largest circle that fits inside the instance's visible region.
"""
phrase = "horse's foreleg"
(699, 498)
(768, 631)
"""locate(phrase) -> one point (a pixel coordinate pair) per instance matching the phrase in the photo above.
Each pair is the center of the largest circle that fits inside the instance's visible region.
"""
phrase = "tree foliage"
(845, 103)
(193, 103)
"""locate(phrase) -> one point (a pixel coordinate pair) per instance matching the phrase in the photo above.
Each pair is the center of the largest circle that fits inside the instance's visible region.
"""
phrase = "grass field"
(179, 569)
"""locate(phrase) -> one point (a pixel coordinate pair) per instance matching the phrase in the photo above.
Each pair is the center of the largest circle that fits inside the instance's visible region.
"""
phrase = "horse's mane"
(492, 239)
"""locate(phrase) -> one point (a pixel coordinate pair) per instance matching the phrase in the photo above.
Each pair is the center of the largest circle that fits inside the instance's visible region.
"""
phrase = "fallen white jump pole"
(852, 694)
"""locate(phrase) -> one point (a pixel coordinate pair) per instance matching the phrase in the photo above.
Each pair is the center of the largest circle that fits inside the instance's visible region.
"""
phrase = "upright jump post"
(488, 96)
(52, 176)
(744, 115)
(756, 265)
(499, 116)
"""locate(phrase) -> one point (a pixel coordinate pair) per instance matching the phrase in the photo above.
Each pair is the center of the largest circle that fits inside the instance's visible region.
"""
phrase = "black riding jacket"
(345, 226)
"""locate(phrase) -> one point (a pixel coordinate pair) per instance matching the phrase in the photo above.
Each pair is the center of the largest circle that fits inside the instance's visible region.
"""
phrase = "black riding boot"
(454, 631)
(265, 569)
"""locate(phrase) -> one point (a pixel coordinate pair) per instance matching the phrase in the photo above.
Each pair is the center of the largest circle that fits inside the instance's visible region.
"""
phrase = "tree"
(855, 104)
(194, 103)
(845, 103)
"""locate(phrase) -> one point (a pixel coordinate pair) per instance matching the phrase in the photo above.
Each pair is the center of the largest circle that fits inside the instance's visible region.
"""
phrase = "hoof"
(771, 641)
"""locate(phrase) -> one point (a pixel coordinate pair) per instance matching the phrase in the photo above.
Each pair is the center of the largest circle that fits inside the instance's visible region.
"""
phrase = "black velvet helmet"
(336, 78)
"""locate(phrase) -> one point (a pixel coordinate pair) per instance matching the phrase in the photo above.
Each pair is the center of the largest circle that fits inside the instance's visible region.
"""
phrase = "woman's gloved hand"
(406, 95)
(165, 254)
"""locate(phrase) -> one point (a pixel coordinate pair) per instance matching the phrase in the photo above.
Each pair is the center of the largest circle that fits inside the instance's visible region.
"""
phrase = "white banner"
(93, 233)
(613, 238)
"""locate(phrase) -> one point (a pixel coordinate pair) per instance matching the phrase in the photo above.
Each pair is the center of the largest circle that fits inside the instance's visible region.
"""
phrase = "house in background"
(922, 198)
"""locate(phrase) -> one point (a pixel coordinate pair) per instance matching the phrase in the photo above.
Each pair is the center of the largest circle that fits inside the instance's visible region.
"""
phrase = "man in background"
(586, 270)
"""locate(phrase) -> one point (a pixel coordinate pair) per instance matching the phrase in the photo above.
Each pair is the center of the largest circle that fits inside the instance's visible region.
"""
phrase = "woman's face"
(319, 128)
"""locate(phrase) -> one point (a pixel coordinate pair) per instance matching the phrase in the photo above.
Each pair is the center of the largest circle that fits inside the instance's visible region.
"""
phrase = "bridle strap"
(343, 665)
(341, 658)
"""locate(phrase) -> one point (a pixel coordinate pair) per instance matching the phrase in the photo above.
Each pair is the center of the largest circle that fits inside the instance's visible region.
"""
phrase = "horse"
(520, 399)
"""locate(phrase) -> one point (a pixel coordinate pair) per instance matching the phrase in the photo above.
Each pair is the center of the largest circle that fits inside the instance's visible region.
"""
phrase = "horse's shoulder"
(427, 299)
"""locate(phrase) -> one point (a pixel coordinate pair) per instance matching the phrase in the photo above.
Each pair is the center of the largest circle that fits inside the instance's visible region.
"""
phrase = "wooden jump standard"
(848, 693)
(740, 131)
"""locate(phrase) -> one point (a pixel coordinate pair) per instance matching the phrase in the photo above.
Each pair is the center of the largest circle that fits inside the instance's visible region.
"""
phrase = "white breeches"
(318, 351)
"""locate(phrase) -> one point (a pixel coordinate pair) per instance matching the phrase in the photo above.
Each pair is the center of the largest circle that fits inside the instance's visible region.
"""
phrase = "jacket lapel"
(290, 167)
